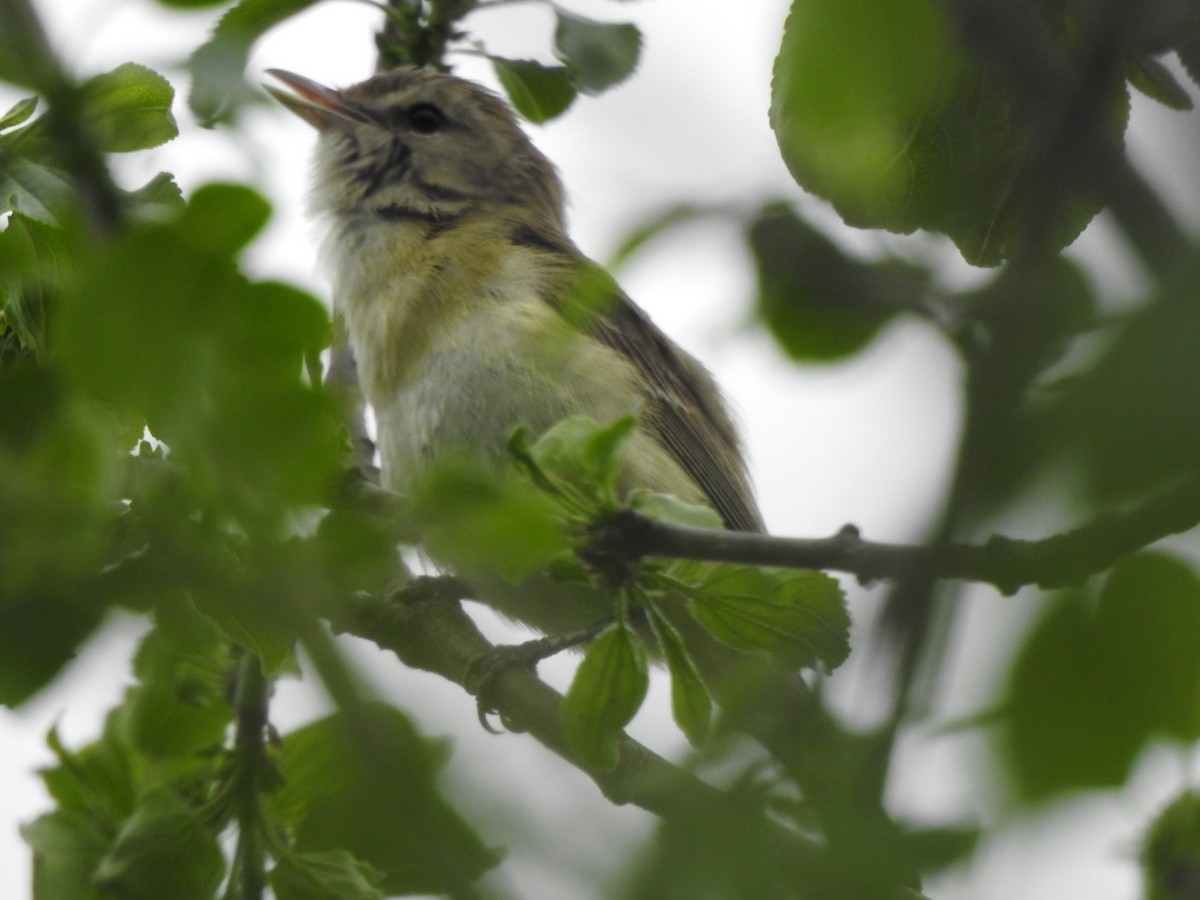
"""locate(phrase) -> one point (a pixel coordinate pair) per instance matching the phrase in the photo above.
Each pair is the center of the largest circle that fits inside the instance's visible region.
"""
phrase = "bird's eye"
(425, 118)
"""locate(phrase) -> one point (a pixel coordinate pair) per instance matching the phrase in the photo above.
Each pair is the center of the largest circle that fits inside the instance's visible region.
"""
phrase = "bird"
(470, 311)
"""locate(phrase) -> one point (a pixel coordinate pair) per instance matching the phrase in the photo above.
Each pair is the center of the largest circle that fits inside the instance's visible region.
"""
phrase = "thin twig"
(1007, 563)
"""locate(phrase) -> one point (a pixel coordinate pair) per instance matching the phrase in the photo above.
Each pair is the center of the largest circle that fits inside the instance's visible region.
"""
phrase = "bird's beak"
(319, 106)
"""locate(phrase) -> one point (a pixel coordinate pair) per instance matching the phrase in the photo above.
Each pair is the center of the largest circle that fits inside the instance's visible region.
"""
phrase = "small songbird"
(460, 292)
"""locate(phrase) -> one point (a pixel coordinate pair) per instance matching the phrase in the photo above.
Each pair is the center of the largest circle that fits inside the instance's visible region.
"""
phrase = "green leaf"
(57, 490)
(339, 796)
(581, 452)
(798, 617)
(39, 635)
(180, 707)
(1187, 47)
(358, 549)
(1170, 854)
(163, 850)
(256, 618)
(224, 218)
(668, 508)
(1128, 417)
(38, 191)
(607, 690)
(129, 109)
(18, 113)
(877, 109)
(935, 849)
(663, 221)
(280, 320)
(1148, 614)
(102, 780)
(160, 324)
(691, 704)
(537, 92)
(334, 875)
(1157, 82)
(474, 518)
(67, 845)
(1091, 687)
(598, 54)
(37, 255)
(158, 197)
(218, 88)
(818, 303)
(851, 83)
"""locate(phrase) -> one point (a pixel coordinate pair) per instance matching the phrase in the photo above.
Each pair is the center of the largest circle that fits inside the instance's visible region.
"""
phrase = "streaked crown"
(421, 145)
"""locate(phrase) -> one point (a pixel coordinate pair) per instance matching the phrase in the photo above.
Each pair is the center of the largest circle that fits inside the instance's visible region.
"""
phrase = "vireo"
(461, 295)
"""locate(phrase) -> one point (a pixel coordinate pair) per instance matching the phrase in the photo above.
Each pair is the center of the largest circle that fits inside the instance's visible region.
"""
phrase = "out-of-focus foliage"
(167, 447)
(1100, 677)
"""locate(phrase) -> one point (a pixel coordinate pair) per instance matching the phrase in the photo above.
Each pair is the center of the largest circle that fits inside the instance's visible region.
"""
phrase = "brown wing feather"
(692, 424)
(683, 410)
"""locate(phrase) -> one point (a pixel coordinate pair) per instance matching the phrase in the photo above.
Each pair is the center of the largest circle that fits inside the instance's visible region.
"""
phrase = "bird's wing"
(684, 409)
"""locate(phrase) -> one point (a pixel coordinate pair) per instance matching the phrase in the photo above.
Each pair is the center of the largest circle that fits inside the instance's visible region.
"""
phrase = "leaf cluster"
(549, 518)
(592, 56)
(166, 446)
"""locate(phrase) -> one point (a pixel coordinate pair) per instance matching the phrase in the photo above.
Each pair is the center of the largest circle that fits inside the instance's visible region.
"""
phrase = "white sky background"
(867, 442)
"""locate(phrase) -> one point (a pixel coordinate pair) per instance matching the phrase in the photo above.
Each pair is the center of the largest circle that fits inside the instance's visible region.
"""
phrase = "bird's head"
(423, 143)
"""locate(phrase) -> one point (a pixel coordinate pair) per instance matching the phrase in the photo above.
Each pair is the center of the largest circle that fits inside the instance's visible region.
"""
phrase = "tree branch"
(426, 628)
(1007, 563)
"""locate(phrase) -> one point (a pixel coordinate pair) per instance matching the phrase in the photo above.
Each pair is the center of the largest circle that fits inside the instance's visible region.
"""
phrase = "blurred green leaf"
(607, 690)
(1134, 417)
(162, 850)
(40, 633)
(582, 453)
(1091, 687)
(1187, 47)
(363, 783)
(218, 87)
(159, 322)
(223, 218)
(57, 487)
(598, 54)
(691, 704)
(180, 706)
(1148, 614)
(256, 617)
(663, 221)
(18, 113)
(101, 780)
(1170, 853)
(671, 509)
(1020, 325)
(39, 256)
(852, 84)
(66, 845)
(129, 109)
(473, 518)
(877, 109)
(935, 849)
(537, 92)
(334, 875)
(35, 189)
(358, 549)
(819, 304)
(160, 196)
(796, 616)
(1157, 82)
